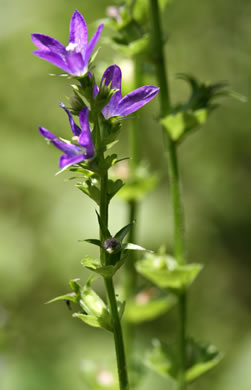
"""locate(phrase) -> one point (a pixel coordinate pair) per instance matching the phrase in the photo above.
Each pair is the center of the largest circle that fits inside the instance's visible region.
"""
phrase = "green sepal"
(107, 271)
(148, 310)
(110, 130)
(165, 272)
(85, 89)
(201, 358)
(103, 98)
(180, 123)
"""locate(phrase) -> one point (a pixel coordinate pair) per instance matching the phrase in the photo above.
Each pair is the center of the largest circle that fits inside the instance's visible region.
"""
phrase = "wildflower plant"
(95, 117)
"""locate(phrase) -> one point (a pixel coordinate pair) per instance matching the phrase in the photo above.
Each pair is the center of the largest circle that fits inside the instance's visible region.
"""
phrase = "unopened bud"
(76, 103)
(112, 245)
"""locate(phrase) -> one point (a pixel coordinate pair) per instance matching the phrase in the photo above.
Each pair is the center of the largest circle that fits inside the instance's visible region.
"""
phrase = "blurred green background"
(43, 216)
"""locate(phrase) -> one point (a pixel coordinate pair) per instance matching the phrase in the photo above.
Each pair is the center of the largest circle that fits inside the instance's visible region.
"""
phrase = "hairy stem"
(173, 173)
(110, 293)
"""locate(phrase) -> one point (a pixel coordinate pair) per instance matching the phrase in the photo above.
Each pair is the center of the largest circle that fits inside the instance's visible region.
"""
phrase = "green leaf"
(162, 359)
(103, 227)
(92, 321)
(201, 358)
(67, 297)
(93, 241)
(180, 123)
(94, 306)
(90, 188)
(90, 263)
(144, 309)
(107, 271)
(139, 188)
(75, 286)
(165, 272)
(114, 187)
(110, 161)
(134, 247)
(121, 308)
(134, 48)
(120, 235)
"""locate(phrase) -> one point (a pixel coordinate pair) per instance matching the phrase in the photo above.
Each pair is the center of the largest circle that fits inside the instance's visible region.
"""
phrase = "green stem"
(173, 173)
(111, 297)
(118, 338)
(130, 275)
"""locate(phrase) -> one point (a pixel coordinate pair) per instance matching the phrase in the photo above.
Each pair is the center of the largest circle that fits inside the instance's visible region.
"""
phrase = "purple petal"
(75, 129)
(78, 31)
(75, 63)
(85, 138)
(93, 42)
(112, 75)
(44, 42)
(136, 99)
(68, 160)
(53, 58)
(46, 133)
(71, 150)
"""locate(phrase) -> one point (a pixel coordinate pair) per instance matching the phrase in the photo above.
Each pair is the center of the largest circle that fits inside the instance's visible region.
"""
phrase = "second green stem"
(174, 180)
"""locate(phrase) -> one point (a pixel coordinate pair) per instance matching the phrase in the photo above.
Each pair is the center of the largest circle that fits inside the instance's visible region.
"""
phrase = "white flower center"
(72, 47)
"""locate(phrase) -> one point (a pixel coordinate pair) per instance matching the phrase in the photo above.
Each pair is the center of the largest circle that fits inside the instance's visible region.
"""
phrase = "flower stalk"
(173, 173)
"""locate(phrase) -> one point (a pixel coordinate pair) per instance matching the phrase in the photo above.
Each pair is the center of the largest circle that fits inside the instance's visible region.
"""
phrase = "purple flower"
(130, 103)
(73, 154)
(73, 58)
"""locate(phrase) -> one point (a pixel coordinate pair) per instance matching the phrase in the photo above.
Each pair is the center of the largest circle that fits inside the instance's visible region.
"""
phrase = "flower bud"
(112, 245)
(77, 103)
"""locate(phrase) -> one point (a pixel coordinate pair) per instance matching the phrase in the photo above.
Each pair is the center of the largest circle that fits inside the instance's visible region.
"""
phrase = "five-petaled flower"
(130, 103)
(73, 154)
(73, 58)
